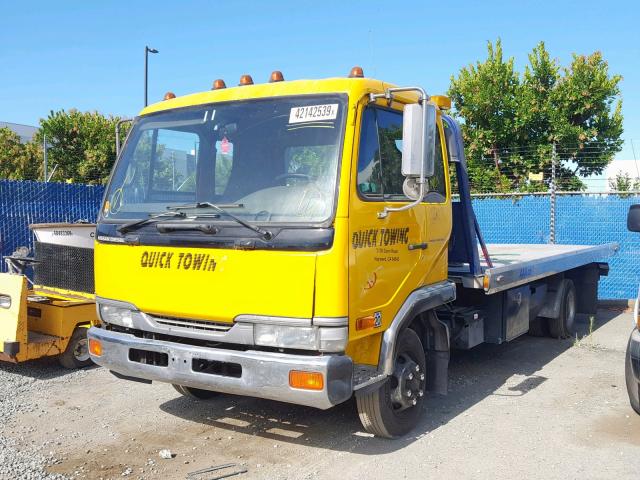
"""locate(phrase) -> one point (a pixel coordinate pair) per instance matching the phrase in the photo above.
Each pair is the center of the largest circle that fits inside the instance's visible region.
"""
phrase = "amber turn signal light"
(95, 347)
(306, 380)
(246, 80)
(218, 84)
(356, 72)
(364, 323)
(169, 96)
(276, 76)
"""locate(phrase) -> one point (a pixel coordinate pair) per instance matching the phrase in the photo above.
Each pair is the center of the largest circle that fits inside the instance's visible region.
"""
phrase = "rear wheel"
(564, 325)
(195, 393)
(633, 387)
(76, 355)
(395, 407)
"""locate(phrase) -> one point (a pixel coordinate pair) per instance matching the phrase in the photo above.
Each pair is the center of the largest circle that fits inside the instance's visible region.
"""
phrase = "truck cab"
(291, 240)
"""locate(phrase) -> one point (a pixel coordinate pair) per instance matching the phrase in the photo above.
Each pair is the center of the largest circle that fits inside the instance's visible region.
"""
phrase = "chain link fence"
(25, 202)
(580, 219)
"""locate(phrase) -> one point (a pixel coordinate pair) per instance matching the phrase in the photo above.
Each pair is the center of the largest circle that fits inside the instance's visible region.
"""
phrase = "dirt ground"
(533, 408)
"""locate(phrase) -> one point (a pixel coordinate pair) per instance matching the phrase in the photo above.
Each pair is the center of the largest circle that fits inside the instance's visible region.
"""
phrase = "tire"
(195, 393)
(564, 325)
(76, 355)
(379, 410)
(633, 387)
(539, 327)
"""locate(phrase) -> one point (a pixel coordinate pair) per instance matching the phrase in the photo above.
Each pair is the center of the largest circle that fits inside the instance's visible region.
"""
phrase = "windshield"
(272, 160)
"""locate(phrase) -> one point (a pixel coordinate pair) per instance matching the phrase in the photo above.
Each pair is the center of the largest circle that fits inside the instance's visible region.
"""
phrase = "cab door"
(392, 256)
(386, 255)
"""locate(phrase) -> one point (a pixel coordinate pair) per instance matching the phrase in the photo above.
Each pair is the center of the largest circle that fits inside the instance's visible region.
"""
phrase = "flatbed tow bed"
(519, 264)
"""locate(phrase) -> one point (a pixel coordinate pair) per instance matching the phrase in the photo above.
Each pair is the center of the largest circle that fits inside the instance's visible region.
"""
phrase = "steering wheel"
(302, 176)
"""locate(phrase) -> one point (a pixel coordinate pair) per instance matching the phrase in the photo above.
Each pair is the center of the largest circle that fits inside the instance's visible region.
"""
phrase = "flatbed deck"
(517, 264)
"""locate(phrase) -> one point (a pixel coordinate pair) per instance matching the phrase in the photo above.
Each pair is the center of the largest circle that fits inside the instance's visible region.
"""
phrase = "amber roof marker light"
(356, 72)
(246, 80)
(169, 96)
(218, 84)
(276, 76)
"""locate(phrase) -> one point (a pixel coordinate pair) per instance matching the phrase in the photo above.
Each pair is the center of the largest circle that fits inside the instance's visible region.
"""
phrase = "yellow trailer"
(44, 317)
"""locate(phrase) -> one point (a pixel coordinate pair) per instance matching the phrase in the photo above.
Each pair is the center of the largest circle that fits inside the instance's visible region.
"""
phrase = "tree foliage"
(81, 145)
(19, 161)
(510, 121)
(623, 182)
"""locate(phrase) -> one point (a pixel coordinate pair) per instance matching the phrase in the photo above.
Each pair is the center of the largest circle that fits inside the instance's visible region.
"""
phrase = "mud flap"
(13, 319)
(438, 352)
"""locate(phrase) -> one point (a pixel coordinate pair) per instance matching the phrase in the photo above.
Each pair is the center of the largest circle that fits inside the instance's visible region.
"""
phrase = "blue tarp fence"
(24, 202)
(580, 220)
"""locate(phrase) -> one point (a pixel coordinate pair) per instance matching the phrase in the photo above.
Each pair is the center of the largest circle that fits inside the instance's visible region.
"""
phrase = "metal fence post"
(44, 148)
(552, 219)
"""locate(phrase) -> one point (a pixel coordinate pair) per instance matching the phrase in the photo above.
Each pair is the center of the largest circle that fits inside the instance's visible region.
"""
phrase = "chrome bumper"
(264, 374)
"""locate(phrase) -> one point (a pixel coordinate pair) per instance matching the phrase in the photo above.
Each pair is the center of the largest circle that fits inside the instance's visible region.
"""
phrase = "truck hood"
(205, 283)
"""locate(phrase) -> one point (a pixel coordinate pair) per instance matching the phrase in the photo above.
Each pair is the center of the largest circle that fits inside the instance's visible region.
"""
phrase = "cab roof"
(355, 88)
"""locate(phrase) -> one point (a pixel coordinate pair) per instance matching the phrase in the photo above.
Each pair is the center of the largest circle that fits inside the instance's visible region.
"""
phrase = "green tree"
(623, 182)
(18, 161)
(511, 121)
(81, 145)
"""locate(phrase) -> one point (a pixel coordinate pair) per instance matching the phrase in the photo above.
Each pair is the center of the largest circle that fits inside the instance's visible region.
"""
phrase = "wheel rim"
(408, 384)
(570, 310)
(81, 350)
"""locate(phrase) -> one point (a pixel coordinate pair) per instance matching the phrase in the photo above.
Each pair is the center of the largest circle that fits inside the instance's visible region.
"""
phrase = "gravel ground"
(533, 408)
(18, 383)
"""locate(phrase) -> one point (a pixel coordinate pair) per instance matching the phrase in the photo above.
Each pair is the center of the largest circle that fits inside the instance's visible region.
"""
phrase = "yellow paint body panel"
(13, 321)
(243, 282)
(342, 281)
(41, 328)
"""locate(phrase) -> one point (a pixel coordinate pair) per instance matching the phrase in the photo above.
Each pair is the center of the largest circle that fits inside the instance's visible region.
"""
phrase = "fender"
(419, 301)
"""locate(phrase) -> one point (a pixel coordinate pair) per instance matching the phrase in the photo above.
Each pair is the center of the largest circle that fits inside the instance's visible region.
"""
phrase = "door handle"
(418, 246)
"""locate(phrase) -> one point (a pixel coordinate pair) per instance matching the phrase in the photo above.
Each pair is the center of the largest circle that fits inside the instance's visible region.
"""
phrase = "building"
(25, 132)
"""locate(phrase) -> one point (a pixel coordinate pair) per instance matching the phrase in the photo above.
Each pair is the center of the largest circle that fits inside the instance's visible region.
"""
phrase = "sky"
(89, 55)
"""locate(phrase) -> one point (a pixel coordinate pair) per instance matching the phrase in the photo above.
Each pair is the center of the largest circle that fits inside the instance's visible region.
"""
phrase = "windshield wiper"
(127, 227)
(265, 234)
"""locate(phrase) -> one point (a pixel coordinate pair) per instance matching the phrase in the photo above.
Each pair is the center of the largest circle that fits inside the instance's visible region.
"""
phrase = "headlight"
(117, 315)
(5, 301)
(286, 337)
(303, 338)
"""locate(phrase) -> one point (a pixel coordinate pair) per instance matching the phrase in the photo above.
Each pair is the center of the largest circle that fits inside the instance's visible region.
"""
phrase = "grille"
(62, 266)
(193, 324)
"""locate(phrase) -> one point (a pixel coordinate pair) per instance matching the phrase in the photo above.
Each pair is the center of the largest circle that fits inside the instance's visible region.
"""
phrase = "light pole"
(147, 51)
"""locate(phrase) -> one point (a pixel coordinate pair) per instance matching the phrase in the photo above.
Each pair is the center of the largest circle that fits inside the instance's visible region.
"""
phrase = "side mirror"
(633, 218)
(419, 141)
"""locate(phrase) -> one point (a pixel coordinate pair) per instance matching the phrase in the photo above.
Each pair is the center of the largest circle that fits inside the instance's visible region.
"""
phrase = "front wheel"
(395, 407)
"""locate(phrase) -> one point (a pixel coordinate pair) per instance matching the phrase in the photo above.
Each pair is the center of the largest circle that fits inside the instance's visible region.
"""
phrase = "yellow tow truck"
(299, 241)
(49, 315)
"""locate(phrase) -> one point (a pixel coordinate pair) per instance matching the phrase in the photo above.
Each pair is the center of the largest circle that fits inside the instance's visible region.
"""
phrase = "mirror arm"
(385, 213)
(388, 95)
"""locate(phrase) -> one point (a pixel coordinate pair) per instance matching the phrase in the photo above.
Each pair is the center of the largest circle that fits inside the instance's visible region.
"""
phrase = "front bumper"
(263, 374)
(634, 352)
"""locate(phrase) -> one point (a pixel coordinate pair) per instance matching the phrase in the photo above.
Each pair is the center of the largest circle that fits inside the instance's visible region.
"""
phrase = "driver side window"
(380, 159)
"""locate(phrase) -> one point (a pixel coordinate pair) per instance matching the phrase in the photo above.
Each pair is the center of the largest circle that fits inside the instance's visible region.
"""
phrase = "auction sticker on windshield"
(313, 113)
